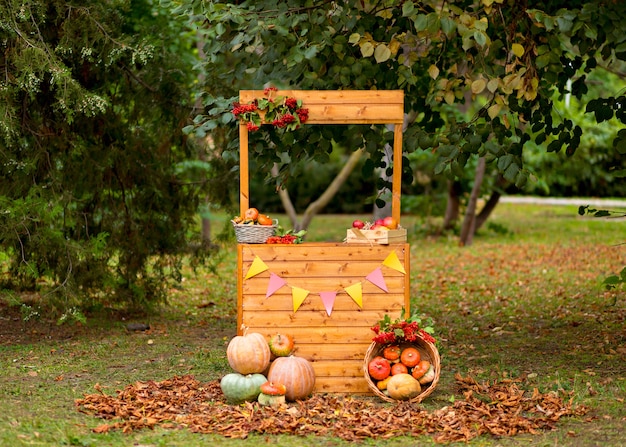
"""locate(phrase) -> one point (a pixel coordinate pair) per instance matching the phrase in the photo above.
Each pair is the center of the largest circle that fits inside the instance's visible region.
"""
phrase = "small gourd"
(248, 353)
(428, 377)
(403, 387)
(239, 388)
(272, 394)
(296, 373)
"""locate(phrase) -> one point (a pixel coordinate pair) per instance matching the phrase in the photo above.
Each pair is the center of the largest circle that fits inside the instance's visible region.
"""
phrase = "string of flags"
(298, 294)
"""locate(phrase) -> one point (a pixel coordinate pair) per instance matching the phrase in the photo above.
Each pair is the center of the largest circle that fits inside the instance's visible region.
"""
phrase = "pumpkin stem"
(244, 329)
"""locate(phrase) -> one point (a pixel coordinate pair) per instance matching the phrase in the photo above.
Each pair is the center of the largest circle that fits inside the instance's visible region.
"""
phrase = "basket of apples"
(403, 362)
(253, 227)
(381, 231)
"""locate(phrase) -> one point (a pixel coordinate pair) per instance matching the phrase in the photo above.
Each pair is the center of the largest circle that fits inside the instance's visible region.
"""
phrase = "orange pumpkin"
(410, 357)
(296, 373)
(248, 353)
(420, 369)
(399, 368)
(264, 220)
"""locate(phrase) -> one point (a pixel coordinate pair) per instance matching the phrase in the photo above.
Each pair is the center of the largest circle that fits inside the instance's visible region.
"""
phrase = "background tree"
(481, 76)
(93, 97)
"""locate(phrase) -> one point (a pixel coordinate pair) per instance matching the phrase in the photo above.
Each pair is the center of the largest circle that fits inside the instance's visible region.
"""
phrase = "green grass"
(525, 300)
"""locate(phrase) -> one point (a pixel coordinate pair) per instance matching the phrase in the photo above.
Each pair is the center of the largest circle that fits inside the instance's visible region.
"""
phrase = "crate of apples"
(381, 231)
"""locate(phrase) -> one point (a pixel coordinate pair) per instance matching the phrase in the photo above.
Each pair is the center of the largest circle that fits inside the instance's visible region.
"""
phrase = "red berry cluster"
(282, 112)
(283, 120)
(303, 114)
(292, 103)
(427, 337)
(242, 109)
(403, 330)
(286, 239)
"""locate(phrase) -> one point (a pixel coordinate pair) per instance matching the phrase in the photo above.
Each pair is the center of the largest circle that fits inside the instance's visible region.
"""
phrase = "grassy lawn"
(525, 301)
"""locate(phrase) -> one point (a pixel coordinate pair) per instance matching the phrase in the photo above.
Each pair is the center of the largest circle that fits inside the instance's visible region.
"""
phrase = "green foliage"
(616, 280)
(480, 77)
(92, 105)
(595, 168)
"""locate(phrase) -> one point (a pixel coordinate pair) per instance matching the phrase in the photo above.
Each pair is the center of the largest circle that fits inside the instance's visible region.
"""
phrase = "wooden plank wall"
(335, 344)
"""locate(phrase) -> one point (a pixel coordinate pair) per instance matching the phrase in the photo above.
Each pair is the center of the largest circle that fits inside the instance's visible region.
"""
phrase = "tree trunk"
(453, 205)
(469, 222)
(283, 194)
(481, 218)
(317, 205)
(384, 193)
(484, 214)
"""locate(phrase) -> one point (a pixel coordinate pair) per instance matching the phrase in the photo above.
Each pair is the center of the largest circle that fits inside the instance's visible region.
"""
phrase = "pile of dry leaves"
(501, 409)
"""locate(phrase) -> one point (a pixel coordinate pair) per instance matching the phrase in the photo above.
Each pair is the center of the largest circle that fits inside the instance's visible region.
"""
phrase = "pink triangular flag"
(276, 282)
(328, 298)
(376, 278)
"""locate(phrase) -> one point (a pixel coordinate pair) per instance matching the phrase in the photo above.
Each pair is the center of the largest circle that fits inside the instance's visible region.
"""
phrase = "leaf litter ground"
(501, 408)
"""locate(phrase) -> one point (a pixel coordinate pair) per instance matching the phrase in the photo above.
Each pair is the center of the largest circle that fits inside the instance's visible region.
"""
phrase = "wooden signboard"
(314, 281)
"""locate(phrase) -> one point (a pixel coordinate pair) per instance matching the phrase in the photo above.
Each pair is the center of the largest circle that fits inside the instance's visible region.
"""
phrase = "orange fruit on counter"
(264, 220)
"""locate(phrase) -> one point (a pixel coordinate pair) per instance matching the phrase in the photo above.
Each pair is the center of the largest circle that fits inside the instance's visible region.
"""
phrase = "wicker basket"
(428, 351)
(254, 234)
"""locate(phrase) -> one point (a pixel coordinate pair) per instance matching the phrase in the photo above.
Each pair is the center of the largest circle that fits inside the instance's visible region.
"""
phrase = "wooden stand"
(335, 343)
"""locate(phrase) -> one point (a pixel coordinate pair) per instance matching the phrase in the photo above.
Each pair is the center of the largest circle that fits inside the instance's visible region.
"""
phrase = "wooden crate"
(385, 237)
(335, 343)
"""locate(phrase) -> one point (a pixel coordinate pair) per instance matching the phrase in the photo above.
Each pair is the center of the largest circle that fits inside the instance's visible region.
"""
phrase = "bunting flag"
(258, 266)
(276, 282)
(298, 296)
(328, 298)
(377, 278)
(393, 262)
(356, 293)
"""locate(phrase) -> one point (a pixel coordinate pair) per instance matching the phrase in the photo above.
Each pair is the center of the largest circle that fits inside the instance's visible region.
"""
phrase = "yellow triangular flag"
(393, 262)
(298, 296)
(356, 293)
(258, 266)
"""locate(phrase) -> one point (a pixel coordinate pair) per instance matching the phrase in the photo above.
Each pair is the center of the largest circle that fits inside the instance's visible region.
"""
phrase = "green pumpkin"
(239, 388)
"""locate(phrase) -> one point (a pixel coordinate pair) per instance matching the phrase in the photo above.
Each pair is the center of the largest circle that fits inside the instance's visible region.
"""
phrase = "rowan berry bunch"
(280, 111)
(401, 329)
(286, 237)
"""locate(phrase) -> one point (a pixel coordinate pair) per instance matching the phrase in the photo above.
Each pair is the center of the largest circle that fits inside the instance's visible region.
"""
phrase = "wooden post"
(397, 172)
(244, 173)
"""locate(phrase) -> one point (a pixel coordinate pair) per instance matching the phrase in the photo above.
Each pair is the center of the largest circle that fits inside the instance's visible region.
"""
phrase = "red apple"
(359, 224)
(390, 223)
(379, 222)
(281, 345)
